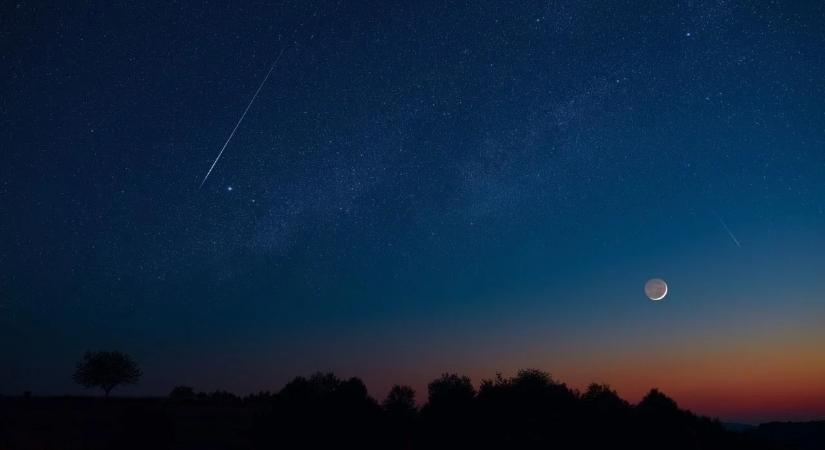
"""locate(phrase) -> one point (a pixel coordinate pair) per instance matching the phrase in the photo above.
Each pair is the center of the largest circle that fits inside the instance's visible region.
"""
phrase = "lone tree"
(106, 370)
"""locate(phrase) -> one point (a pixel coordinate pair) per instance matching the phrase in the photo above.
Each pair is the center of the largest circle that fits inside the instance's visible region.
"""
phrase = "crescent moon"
(656, 289)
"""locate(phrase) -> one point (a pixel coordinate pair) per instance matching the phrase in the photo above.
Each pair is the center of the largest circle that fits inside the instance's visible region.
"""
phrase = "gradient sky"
(419, 187)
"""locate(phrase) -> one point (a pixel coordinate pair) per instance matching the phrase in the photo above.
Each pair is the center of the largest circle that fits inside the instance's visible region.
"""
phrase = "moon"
(656, 289)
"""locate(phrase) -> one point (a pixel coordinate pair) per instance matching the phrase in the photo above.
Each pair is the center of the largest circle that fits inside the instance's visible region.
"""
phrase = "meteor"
(242, 117)
(730, 233)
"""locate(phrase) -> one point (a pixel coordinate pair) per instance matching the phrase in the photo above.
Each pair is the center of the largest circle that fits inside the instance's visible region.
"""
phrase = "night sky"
(419, 187)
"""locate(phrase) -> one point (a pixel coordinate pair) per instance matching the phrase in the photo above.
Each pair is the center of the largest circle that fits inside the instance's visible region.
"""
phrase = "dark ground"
(92, 423)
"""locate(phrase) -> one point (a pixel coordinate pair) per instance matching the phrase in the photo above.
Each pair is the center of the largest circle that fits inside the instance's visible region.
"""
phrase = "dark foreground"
(528, 411)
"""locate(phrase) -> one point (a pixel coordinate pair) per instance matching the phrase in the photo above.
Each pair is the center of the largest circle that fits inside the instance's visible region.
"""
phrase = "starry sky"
(419, 187)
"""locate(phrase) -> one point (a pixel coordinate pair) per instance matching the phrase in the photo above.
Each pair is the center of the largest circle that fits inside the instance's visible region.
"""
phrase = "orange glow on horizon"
(780, 376)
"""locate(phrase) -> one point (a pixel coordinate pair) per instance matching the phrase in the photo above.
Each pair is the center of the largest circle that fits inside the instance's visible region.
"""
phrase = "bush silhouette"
(182, 393)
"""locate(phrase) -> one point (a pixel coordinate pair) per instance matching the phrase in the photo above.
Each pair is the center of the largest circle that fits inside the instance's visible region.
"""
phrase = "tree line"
(528, 410)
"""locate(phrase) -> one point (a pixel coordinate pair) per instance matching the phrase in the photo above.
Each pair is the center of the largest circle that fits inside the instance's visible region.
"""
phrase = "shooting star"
(730, 233)
(242, 117)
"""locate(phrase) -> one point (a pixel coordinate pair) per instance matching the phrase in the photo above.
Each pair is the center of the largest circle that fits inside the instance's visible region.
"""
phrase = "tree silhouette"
(448, 415)
(322, 411)
(663, 423)
(400, 401)
(608, 416)
(400, 412)
(182, 393)
(528, 410)
(603, 400)
(450, 390)
(106, 370)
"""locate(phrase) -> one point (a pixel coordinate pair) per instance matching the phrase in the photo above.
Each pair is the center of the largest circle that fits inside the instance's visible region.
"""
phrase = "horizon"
(738, 413)
(238, 194)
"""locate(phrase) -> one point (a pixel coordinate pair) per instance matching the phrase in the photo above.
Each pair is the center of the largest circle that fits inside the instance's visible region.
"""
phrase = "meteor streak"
(730, 233)
(242, 117)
